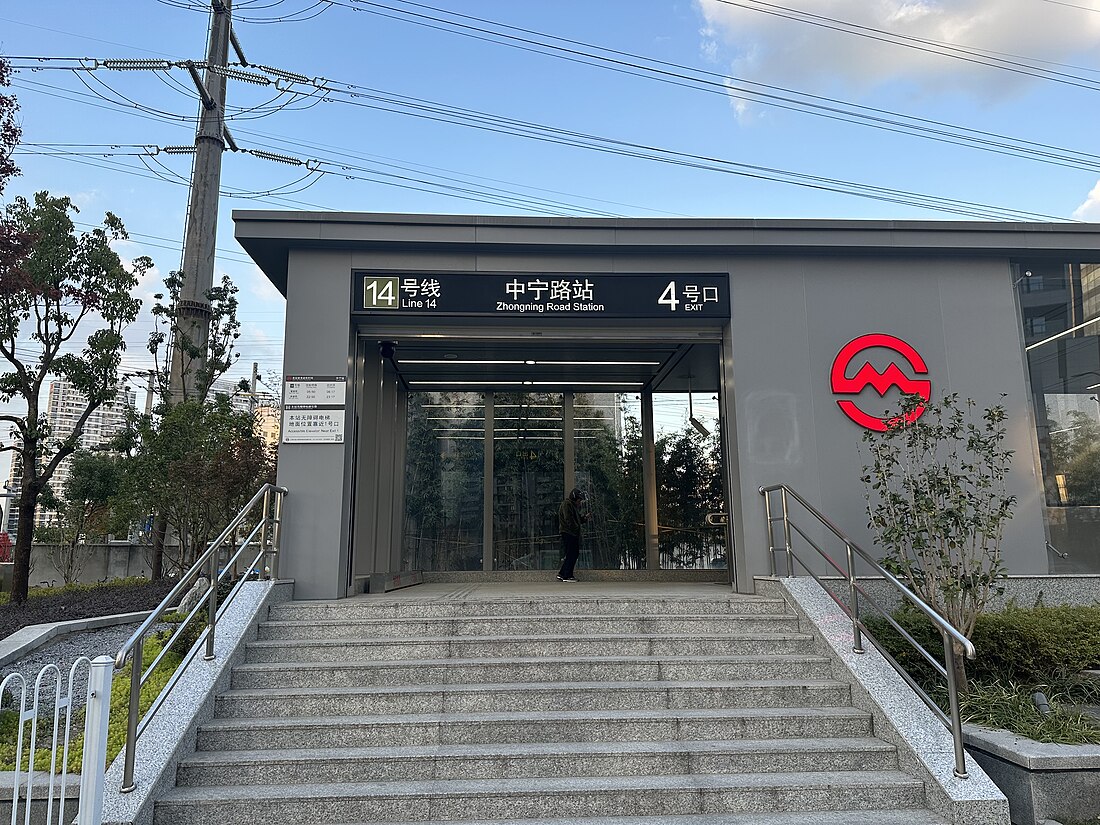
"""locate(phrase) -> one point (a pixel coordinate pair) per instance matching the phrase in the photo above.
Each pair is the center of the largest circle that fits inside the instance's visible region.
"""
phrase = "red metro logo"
(892, 376)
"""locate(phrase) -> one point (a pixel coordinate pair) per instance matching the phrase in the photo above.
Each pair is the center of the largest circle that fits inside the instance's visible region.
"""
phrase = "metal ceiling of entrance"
(537, 363)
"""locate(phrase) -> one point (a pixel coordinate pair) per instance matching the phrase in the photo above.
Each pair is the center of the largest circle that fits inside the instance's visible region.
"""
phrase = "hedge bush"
(1019, 651)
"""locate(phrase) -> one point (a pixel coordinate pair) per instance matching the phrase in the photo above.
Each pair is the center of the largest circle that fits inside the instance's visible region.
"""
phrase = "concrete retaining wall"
(100, 562)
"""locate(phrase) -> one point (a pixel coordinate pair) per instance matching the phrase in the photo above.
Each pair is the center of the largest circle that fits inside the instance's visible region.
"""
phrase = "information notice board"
(313, 409)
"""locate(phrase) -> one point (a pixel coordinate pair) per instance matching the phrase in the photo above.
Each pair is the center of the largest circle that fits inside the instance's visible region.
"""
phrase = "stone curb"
(1035, 756)
(31, 637)
(171, 733)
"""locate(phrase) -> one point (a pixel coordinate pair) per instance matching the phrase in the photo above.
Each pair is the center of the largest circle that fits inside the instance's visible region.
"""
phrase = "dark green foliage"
(1020, 651)
(187, 638)
(1028, 645)
(198, 464)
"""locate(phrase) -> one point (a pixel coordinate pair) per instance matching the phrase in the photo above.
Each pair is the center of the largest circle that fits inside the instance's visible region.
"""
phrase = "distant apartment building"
(268, 419)
(63, 410)
(266, 408)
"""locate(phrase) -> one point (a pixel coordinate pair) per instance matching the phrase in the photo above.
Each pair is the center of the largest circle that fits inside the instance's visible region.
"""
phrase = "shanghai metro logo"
(892, 376)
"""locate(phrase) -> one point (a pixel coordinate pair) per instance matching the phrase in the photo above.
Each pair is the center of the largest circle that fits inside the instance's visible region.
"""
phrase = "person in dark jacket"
(570, 519)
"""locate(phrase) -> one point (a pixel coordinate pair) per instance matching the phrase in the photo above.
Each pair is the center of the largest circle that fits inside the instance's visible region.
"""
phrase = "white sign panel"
(312, 425)
(323, 390)
(313, 409)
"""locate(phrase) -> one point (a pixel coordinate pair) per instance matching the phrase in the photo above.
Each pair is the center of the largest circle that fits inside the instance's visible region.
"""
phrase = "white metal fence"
(52, 718)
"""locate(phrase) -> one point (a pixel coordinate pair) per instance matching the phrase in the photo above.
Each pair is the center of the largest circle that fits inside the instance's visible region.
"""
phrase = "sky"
(487, 107)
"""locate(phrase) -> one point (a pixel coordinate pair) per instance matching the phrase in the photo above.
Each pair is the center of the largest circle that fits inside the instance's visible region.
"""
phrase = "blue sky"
(377, 46)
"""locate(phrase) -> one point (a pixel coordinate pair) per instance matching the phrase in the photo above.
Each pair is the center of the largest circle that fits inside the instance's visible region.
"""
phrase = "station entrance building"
(449, 378)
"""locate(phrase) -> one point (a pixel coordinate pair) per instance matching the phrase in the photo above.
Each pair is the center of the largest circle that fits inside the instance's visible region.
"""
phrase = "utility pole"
(201, 234)
(253, 388)
(202, 210)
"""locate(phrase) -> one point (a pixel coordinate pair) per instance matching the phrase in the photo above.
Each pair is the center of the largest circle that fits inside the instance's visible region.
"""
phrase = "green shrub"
(40, 592)
(1020, 651)
(187, 638)
(1038, 645)
(116, 731)
(1012, 707)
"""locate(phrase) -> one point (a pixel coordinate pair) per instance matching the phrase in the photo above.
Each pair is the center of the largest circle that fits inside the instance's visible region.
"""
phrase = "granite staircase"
(547, 710)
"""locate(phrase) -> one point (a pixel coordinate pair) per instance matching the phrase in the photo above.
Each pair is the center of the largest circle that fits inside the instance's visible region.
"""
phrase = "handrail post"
(136, 666)
(787, 532)
(949, 657)
(768, 521)
(94, 759)
(853, 600)
(265, 530)
(276, 533)
(212, 601)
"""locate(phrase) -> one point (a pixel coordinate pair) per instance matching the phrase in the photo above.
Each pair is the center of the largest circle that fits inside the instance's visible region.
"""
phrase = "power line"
(969, 208)
(921, 44)
(1072, 5)
(713, 82)
(769, 95)
(439, 112)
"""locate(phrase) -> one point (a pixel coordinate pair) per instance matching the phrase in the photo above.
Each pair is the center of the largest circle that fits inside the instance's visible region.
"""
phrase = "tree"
(198, 465)
(84, 512)
(203, 360)
(10, 133)
(937, 503)
(58, 283)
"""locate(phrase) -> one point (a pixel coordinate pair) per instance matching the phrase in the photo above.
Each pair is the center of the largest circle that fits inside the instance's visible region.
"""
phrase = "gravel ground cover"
(63, 651)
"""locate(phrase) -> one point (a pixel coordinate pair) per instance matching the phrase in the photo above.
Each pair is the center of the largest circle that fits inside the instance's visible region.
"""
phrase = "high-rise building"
(63, 410)
(64, 407)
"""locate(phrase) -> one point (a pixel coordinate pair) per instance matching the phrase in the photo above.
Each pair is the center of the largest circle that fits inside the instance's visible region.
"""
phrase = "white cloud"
(774, 49)
(1090, 209)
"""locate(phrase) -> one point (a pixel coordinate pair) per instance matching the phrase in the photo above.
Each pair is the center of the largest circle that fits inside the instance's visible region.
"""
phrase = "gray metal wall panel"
(791, 317)
(317, 343)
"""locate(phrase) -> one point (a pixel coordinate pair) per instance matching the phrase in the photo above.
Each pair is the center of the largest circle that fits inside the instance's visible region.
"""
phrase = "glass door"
(444, 482)
(528, 480)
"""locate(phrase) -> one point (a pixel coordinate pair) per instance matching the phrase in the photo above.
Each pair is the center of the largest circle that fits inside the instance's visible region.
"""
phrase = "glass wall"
(1060, 312)
(528, 480)
(443, 525)
(444, 482)
(689, 481)
(609, 470)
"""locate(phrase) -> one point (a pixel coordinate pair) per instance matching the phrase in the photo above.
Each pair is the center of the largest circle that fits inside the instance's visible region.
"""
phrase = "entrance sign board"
(313, 409)
(676, 297)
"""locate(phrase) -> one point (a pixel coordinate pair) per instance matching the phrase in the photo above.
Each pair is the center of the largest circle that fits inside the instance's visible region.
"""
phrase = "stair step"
(373, 607)
(564, 624)
(445, 647)
(541, 669)
(478, 800)
(563, 697)
(631, 725)
(451, 762)
(908, 816)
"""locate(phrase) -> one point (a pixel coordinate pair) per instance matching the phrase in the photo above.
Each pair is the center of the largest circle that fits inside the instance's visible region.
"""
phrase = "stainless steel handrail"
(1052, 549)
(951, 635)
(268, 527)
